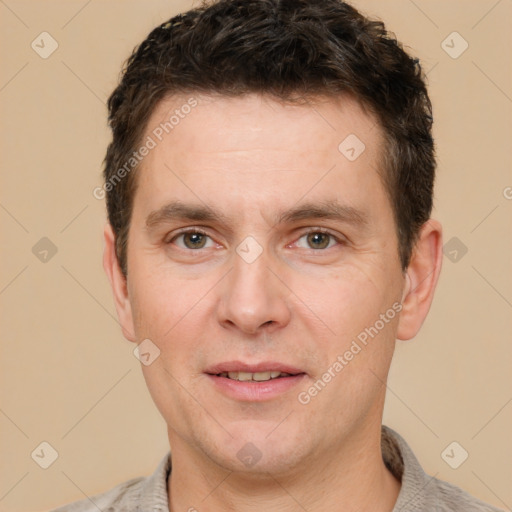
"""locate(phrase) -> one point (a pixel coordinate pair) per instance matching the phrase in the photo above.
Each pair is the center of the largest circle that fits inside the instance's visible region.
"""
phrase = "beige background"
(67, 375)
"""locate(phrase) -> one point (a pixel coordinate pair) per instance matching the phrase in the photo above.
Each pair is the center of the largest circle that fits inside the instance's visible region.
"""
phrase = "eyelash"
(324, 231)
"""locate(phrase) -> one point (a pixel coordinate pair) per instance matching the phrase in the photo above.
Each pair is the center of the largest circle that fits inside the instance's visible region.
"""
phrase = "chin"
(253, 451)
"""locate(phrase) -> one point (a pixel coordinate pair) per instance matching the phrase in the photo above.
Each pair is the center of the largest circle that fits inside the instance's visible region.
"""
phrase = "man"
(269, 188)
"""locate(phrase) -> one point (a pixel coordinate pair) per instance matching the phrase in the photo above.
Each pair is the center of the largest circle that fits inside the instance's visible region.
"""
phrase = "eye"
(192, 239)
(318, 240)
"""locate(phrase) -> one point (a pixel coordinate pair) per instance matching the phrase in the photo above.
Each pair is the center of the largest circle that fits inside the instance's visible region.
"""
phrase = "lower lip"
(252, 391)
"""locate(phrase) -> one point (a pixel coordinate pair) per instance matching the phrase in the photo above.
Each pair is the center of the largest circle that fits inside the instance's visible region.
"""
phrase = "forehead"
(255, 148)
(254, 121)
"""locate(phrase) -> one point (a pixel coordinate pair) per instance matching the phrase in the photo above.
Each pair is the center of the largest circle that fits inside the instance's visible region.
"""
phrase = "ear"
(118, 284)
(421, 279)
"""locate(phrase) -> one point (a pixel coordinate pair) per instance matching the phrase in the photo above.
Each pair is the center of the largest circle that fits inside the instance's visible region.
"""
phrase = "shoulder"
(420, 491)
(122, 497)
(451, 498)
(141, 493)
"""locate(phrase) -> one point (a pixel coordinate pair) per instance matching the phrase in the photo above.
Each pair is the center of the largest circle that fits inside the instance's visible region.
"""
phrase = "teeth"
(257, 376)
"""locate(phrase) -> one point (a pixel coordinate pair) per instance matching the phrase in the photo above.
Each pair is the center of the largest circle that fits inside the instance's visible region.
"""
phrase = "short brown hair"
(283, 48)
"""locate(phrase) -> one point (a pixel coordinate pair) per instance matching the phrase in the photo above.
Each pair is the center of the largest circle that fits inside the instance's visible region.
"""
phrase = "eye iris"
(316, 239)
(194, 240)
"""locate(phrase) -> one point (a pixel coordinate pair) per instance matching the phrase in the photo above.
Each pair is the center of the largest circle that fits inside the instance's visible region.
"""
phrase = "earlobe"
(421, 280)
(118, 284)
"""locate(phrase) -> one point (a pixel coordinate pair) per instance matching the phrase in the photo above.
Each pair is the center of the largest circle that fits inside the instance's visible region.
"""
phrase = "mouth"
(254, 382)
(256, 376)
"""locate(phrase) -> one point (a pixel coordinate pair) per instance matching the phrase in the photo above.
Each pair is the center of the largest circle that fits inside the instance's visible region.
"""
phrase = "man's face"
(264, 280)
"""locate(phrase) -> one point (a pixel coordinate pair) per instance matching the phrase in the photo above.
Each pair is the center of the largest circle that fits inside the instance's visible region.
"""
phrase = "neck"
(350, 477)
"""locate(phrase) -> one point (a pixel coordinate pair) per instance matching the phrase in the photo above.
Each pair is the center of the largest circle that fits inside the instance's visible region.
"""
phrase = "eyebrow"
(179, 210)
(328, 210)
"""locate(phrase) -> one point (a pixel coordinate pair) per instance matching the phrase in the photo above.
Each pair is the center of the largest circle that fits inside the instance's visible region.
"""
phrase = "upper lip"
(264, 366)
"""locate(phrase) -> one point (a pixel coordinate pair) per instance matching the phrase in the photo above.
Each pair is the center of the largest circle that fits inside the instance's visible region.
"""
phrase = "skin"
(301, 302)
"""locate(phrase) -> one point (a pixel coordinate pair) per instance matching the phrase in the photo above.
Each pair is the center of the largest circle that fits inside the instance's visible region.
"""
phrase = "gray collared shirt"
(419, 492)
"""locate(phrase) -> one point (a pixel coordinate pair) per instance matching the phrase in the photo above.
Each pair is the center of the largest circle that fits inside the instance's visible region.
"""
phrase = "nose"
(253, 298)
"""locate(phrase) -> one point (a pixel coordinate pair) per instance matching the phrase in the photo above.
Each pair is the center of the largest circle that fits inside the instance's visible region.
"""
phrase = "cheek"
(174, 314)
(349, 304)
(347, 300)
(160, 294)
